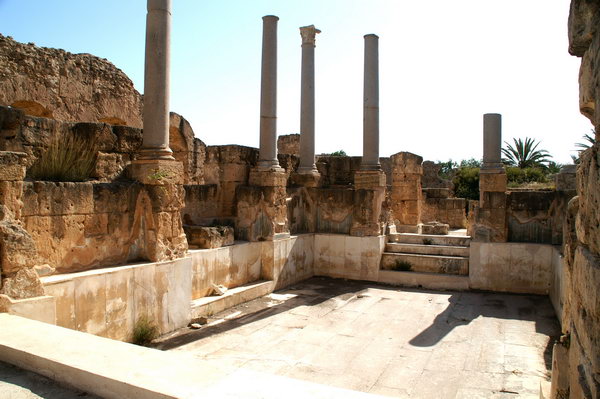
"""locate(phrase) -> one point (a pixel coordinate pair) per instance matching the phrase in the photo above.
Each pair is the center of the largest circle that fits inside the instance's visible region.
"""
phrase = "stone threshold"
(114, 369)
(432, 281)
(209, 305)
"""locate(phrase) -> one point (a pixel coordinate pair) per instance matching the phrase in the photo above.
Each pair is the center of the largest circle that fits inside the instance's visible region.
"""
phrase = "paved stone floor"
(16, 383)
(389, 341)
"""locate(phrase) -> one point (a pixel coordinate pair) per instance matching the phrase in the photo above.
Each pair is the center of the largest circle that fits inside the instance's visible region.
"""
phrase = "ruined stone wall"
(577, 369)
(79, 226)
(537, 216)
(289, 144)
(56, 84)
(339, 171)
(116, 145)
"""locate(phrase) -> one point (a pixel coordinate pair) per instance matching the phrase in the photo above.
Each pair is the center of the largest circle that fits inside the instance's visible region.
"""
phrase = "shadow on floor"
(462, 309)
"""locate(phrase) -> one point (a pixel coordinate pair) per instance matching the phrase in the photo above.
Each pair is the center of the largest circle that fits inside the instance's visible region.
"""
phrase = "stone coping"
(60, 278)
(114, 369)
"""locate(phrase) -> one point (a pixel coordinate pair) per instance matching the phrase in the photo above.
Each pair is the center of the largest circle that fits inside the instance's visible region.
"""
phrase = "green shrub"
(340, 153)
(466, 183)
(144, 331)
(68, 157)
(518, 176)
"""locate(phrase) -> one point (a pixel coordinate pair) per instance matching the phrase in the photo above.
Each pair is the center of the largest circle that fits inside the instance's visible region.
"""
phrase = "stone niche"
(54, 83)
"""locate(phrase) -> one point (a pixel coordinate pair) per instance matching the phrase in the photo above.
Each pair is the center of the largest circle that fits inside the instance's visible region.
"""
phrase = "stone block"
(405, 191)
(12, 166)
(583, 19)
(17, 247)
(40, 308)
(494, 182)
(157, 172)
(235, 172)
(64, 295)
(25, 283)
(493, 200)
(267, 178)
(11, 195)
(369, 179)
(437, 192)
(434, 228)
(406, 162)
(209, 237)
(54, 199)
(306, 179)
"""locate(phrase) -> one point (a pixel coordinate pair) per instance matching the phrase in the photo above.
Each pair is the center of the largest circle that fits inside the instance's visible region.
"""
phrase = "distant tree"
(470, 163)
(525, 154)
(553, 167)
(447, 168)
(340, 153)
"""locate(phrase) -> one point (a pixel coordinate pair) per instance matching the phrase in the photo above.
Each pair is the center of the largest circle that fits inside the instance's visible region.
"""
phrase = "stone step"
(432, 281)
(445, 250)
(210, 305)
(425, 263)
(451, 240)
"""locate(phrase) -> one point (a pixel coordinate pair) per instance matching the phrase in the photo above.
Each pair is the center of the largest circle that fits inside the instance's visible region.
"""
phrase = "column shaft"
(370, 159)
(492, 141)
(307, 101)
(268, 96)
(156, 81)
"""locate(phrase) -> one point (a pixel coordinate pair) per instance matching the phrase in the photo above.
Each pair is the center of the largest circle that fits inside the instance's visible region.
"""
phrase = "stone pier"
(155, 166)
(490, 217)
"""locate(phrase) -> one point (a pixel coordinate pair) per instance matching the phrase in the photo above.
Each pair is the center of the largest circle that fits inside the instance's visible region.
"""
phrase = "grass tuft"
(144, 331)
(68, 158)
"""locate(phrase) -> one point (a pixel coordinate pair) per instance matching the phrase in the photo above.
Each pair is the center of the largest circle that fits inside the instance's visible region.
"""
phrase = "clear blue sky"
(442, 65)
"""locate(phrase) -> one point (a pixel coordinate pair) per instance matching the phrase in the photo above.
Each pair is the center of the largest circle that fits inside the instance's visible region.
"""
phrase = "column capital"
(309, 34)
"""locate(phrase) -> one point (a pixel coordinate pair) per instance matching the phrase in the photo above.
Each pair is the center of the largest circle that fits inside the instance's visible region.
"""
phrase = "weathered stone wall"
(406, 195)
(79, 226)
(54, 83)
(116, 145)
(537, 216)
(577, 371)
(431, 176)
(289, 144)
(438, 206)
(339, 171)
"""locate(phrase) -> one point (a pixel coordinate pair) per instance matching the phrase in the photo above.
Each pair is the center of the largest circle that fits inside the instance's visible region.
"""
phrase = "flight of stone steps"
(428, 261)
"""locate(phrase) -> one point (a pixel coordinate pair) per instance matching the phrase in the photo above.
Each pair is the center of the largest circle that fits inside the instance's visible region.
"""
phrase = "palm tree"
(589, 140)
(525, 154)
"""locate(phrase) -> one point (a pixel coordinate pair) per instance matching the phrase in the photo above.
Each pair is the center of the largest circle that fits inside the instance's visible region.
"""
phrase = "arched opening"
(32, 108)
(113, 120)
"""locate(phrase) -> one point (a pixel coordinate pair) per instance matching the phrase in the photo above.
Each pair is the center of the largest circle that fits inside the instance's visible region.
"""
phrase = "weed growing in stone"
(144, 331)
(402, 266)
(427, 241)
(69, 157)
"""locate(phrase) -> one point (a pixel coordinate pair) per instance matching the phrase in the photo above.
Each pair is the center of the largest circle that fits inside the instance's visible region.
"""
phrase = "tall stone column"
(156, 81)
(492, 141)
(307, 101)
(370, 159)
(369, 181)
(261, 206)
(268, 96)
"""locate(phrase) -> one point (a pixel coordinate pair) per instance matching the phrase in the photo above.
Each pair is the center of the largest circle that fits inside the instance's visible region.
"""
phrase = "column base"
(369, 179)
(492, 167)
(157, 172)
(267, 178)
(269, 166)
(155, 153)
